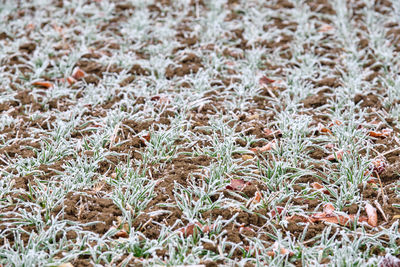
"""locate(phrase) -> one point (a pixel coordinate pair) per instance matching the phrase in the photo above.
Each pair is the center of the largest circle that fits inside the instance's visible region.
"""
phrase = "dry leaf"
(43, 84)
(192, 228)
(282, 250)
(326, 28)
(323, 129)
(335, 122)
(122, 233)
(247, 157)
(264, 80)
(389, 261)
(147, 137)
(395, 217)
(67, 264)
(329, 208)
(78, 74)
(318, 186)
(237, 184)
(336, 156)
(257, 197)
(372, 215)
(267, 147)
(278, 209)
(268, 132)
(383, 133)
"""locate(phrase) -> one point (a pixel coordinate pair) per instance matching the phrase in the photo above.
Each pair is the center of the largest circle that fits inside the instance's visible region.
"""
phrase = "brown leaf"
(335, 122)
(257, 197)
(372, 215)
(264, 80)
(192, 228)
(323, 129)
(389, 261)
(267, 147)
(237, 184)
(278, 209)
(269, 132)
(336, 156)
(247, 157)
(282, 250)
(383, 133)
(147, 137)
(329, 208)
(318, 186)
(78, 74)
(43, 84)
(122, 234)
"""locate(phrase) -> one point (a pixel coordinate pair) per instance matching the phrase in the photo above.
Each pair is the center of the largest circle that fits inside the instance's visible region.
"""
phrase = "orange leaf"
(323, 129)
(372, 215)
(43, 84)
(71, 80)
(335, 122)
(383, 133)
(257, 197)
(78, 73)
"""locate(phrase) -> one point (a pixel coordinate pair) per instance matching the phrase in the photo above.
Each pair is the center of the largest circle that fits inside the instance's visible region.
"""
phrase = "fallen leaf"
(395, 217)
(78, 74)
(43, 84)
(269, 132)
(257, 197)
(372, 215)
(336, 156)
(379, 165)
(282, 250)
(147, 137)
(67, 264)
(267, 147)
(373, 180)
(161, 99)
(323, 129)
(192, 228)
(326, 28)
(318, 186)
(237, 184)
(329, 208)
(329, 146)
(121, 233)
(278, 209)
(71, 80)
(247, 157)
(335, 122)
(383, 133)
(264, 80)
(389, 261)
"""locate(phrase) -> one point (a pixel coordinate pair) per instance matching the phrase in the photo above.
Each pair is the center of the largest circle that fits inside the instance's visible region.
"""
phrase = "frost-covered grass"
(206, 118)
